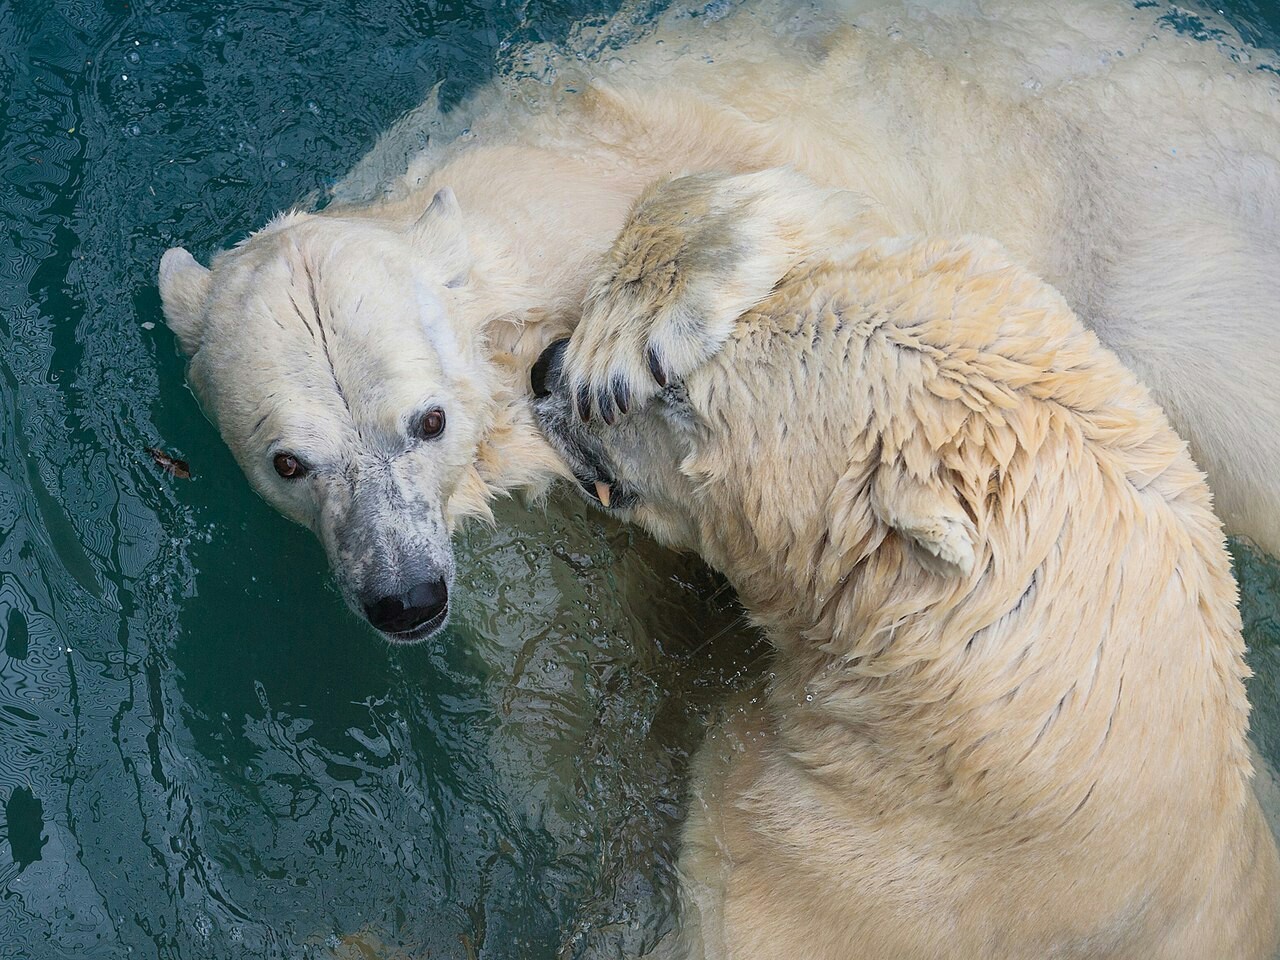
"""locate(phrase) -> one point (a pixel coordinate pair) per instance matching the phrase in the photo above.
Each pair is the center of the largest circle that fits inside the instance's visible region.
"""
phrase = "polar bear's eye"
(289, 466)
(430, 425)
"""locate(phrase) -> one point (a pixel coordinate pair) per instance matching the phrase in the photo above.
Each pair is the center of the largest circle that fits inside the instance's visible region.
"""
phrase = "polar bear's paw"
(653, 316)
(625, 353)
(695, 254)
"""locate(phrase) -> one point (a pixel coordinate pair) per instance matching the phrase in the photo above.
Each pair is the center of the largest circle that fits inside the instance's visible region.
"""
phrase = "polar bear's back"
(1020, 50)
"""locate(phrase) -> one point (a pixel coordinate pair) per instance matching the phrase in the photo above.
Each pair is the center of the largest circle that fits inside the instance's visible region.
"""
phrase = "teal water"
(202, 753)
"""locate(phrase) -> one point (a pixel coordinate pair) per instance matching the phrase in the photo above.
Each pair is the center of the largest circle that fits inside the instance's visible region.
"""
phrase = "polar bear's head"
(330, 353)
(901, 404)
(691, 363)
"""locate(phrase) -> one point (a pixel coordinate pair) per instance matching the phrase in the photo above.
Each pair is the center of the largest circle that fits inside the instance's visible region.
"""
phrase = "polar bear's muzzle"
(577, 443)
(405, 599)
(388, 546)
(545, 375)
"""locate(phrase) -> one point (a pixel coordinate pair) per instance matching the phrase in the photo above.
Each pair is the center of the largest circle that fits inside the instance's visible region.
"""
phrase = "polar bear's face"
(631, 469)
(322, 348)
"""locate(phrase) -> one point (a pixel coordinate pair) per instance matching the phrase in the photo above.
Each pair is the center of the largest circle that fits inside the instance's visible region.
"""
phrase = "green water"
(202, 754)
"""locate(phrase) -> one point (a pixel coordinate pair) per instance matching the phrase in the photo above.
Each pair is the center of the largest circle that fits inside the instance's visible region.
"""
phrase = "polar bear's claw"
(656, 368)
(604, 403)
(583, 396)
(621, 395)
(609, 377)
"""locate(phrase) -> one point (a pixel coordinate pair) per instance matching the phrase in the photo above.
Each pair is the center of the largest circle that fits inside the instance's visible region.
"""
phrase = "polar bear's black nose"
(546, 372)
(411, 610)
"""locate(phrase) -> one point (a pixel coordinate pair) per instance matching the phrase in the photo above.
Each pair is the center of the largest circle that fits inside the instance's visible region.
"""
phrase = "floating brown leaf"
(170, 465)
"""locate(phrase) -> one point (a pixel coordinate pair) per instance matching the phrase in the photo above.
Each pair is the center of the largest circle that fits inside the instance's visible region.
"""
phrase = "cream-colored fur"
(1009, 715)
(1134, 168)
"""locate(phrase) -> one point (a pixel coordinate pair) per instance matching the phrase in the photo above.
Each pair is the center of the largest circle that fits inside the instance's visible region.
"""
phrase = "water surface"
(202, 753)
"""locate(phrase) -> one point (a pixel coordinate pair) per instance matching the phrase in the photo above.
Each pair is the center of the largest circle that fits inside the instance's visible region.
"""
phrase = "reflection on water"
(1259, 579)
(202, 754)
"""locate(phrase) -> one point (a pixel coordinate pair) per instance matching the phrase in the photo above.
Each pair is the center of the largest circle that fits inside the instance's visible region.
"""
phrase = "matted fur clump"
(1009, 714)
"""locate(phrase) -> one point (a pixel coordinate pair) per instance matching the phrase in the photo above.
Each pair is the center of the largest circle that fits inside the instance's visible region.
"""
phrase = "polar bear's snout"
(389, 548)
(397, 579)
(581, 452)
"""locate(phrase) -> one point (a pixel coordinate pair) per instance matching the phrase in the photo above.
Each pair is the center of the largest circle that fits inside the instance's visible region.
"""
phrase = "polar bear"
(1008, 718)
(367, 364)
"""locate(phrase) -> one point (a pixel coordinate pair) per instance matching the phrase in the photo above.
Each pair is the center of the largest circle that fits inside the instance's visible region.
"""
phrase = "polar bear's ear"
(929, 515)
(184, 289)
(439, 231)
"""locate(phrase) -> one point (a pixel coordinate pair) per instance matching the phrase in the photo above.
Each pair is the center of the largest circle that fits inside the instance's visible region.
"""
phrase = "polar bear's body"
(1008, 718)
(1133, 167)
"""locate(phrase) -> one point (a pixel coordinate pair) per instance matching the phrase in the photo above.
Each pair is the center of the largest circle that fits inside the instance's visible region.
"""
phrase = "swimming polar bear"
(1009, 717)
(367, 364)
